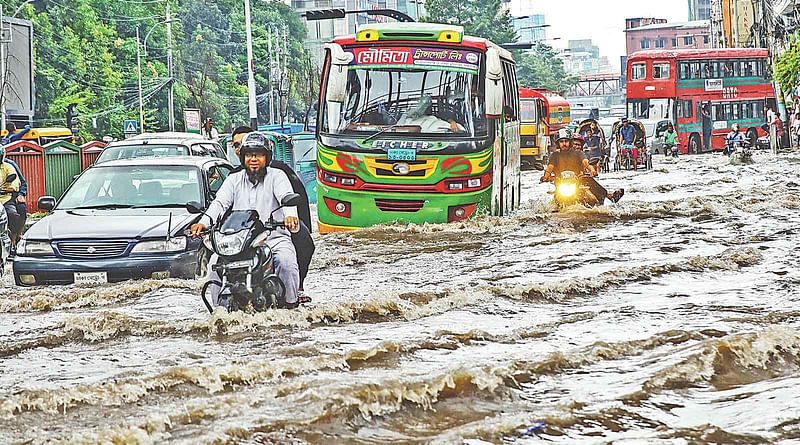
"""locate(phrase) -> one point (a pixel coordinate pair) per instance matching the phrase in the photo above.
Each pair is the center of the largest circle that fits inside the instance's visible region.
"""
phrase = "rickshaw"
(631, 156)
(601, 163)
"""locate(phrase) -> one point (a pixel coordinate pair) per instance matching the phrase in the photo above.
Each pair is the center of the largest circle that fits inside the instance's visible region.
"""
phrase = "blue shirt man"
(628, 133)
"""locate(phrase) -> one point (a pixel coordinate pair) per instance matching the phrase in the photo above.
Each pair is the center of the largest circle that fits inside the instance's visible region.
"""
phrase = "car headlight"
(567, 190)
(175, 244)
(229, 245)
(32, 248)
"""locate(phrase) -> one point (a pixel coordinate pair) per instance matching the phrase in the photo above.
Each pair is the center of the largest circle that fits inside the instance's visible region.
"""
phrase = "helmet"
(256, 142)
(578, 137)
(563, 134)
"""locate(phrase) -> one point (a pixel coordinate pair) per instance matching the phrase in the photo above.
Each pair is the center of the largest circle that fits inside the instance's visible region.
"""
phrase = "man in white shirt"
(261, 188)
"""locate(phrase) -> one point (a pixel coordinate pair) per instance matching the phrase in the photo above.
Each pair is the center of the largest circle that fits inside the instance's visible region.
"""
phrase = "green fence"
(62, 161)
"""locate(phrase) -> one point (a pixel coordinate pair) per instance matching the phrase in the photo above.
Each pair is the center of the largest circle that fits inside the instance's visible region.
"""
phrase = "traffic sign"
(130, 126)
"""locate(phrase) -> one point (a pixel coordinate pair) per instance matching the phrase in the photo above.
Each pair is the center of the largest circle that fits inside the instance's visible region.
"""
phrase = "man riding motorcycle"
(733, 139)
(261, 188)
(574, 160)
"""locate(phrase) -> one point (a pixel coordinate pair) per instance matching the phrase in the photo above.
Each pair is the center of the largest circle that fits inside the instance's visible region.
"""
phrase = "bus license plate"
(402, 154)
(93, 278)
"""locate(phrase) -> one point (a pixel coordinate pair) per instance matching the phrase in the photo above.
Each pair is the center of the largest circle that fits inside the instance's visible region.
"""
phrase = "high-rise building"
(530, 28)
(699, 10)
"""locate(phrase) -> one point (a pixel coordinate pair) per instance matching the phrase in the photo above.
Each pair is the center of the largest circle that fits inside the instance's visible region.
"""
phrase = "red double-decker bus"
(704, 92)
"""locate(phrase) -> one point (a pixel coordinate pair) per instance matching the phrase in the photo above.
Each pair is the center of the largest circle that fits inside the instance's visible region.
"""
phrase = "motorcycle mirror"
(291, 200)
(194, 207)
(11, 178)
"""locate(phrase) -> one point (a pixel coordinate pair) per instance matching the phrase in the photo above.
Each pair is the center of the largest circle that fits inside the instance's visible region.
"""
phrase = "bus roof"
(706, 53)
(35, 133)
(418, 33)
(552, 99)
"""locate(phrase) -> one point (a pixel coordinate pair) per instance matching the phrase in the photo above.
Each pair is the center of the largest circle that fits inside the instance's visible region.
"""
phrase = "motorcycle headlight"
(32, 248)
(567, 190)
(231, 244)
(175, 244)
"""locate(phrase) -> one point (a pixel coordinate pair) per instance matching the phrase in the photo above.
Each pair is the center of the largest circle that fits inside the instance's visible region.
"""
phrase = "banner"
(436, 58)
(191, 116)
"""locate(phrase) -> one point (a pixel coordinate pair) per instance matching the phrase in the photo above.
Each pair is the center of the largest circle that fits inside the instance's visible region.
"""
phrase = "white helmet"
(564, 133)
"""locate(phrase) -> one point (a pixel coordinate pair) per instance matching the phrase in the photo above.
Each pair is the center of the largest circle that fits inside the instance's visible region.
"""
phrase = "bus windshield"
(404, 99)
(528, 110)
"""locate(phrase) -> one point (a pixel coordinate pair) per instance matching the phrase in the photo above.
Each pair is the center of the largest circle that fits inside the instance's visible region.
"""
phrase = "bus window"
(638, 71)
(685, 108)
(729, 68)
(683, 70)
(661, 71)
(695, 70)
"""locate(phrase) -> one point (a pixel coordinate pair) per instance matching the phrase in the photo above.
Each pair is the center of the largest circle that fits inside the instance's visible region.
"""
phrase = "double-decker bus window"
(695, 70)
(684, 108)
(638, 71)
(684, 71)
(661, 71)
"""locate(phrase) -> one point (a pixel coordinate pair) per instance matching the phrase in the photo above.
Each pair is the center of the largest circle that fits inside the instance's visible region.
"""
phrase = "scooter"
(246, 263)
(5, 235)
(570, 191)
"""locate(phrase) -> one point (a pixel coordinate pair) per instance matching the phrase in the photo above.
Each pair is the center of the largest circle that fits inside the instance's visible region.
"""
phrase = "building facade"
(699, 10)
(663, 35)
(530, 28)
(583, 57)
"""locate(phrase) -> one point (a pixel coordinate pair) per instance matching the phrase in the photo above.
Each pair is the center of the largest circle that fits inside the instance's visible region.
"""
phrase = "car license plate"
(402, 154)
(91, 277)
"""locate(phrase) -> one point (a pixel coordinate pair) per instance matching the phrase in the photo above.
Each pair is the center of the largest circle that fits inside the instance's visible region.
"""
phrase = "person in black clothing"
(574, 160)
(302, 240)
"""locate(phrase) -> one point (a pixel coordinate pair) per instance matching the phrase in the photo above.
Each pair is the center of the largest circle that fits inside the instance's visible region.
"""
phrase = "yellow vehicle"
(42, 136)
(543, 113)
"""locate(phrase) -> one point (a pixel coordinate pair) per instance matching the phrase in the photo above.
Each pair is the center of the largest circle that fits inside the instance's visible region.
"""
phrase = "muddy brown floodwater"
(671, 317)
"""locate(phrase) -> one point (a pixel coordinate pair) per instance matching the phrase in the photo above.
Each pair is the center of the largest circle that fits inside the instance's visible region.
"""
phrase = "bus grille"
(399, 205)
(92, 249)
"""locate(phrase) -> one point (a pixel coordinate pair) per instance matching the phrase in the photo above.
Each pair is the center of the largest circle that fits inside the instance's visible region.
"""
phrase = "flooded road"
(670, 317)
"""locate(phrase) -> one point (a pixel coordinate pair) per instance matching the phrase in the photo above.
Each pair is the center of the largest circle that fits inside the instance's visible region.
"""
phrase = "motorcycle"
(246, 263)
(5, 235)
(570, 191)
(740, 152)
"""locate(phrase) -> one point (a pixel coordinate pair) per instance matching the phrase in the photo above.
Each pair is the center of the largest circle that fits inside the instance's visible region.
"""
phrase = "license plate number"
(402, 154)
(91, 277)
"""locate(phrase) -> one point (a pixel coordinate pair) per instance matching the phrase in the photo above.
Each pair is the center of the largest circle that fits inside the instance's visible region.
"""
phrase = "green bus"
(417, 123)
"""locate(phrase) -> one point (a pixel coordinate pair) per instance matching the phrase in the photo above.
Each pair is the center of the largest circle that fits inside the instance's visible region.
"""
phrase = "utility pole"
(170, 69)
(3, 40)
(139, 72)
(251, 78)
(271, 72)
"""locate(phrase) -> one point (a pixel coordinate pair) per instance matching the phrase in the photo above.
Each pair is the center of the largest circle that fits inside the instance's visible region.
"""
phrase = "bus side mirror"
(336, 85)
(494, 83)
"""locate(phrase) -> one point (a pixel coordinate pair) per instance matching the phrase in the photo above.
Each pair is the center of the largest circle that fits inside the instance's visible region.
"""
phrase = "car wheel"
(694, 145)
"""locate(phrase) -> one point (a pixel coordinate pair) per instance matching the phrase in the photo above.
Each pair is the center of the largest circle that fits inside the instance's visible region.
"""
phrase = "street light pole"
(4, 40)
(251, 78)
(171, 97)
(139, 71)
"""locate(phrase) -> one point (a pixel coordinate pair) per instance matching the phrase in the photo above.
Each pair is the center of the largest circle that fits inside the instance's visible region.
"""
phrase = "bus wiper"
(381, 131)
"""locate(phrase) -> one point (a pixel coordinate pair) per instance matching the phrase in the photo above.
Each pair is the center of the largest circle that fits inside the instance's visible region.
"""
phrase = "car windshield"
(142, 150)
(407, 100)
(134, 186)
(304, 149)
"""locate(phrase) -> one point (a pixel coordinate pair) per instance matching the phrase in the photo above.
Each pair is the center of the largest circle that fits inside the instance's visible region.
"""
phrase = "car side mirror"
(291, 200)
(11, 178)
(46, 203)
(194, 207)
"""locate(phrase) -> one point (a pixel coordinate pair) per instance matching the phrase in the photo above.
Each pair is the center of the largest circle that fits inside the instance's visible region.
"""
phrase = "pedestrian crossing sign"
(130, 126)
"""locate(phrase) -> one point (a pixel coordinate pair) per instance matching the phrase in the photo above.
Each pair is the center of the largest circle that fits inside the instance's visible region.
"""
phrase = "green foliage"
(787, 67)
(541, 68)
(537, 68)
(85, 52)
(480, 18)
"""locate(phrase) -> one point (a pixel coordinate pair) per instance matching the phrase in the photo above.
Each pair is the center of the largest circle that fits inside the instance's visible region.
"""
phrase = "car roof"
(165, 161)
(168, 135)
(158, 141)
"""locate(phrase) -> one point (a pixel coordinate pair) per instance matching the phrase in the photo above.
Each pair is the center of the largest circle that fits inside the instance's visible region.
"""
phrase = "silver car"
(161, 145)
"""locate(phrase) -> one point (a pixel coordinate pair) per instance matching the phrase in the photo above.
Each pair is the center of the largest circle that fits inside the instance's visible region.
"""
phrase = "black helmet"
(256, 142)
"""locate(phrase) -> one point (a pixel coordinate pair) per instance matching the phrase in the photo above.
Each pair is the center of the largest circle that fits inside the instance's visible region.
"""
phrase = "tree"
(541, 68)
(480, 18)
(787, 67)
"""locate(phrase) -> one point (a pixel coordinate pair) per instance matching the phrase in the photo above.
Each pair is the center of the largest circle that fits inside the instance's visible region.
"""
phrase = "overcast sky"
(603, 21)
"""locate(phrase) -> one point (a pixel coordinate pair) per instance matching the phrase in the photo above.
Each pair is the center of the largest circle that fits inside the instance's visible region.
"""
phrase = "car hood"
(109, 224)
